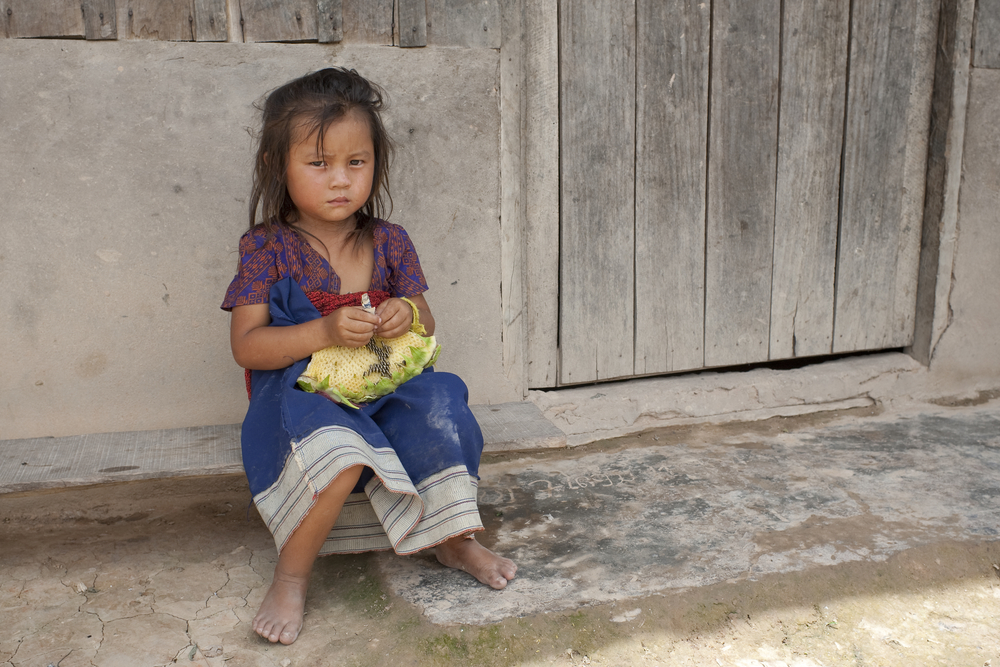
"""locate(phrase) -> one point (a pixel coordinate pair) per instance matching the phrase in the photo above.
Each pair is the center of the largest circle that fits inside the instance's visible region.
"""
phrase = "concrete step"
(101, 458)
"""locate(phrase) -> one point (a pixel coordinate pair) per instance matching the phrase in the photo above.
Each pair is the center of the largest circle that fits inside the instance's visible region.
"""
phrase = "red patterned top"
(265, 259)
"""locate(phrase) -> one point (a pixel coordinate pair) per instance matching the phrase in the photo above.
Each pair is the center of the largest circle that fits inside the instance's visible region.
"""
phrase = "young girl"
(399, 473)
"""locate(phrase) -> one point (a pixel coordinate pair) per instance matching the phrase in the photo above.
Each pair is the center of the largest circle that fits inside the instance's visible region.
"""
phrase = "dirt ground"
(163, 573)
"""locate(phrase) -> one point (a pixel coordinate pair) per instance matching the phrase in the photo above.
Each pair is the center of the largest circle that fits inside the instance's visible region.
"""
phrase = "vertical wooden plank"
(330, 20)
(879, 231)
(810, 138)
(597, 158)
(156, 19)
(671, 150)
(368, 21)
(99, 19)
(472, 23)
(412, 23)
(946, 145)
(987, 34)
(278, 20)
(741, 180)
(30, 18)
(210, 21)
(541, 189)
(512, 200)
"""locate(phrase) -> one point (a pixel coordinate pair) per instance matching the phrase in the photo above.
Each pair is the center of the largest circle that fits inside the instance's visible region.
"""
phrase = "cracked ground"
(864, 553)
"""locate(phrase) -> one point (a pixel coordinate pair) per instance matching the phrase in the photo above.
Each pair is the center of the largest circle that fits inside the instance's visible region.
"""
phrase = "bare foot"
(279, 618)
(464, 553)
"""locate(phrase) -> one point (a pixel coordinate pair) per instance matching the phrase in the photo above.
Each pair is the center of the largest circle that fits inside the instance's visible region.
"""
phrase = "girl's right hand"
(262, 347)
(351, 326)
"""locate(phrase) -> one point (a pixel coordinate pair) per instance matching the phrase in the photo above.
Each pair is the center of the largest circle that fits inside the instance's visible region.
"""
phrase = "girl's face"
(329, 183)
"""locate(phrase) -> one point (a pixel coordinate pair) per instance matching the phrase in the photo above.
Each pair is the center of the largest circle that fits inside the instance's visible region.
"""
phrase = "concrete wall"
(123, 180)
(124, 175)
(968, 352)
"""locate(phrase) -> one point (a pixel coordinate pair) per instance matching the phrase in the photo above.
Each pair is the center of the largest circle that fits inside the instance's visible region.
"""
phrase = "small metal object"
(366, 303)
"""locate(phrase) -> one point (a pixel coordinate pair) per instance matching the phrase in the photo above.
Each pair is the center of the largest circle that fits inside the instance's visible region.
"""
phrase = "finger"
(355, 314)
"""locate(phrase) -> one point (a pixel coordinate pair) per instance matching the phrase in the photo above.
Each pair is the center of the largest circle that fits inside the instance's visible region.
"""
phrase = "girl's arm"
(397, 316)
(261, 347)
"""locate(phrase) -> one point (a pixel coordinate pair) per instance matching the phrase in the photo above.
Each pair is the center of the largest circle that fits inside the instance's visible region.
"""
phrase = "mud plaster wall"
(124, 172)
(969, 349)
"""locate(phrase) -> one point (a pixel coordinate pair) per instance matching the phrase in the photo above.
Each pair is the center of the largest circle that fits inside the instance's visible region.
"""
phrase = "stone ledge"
(101, 458)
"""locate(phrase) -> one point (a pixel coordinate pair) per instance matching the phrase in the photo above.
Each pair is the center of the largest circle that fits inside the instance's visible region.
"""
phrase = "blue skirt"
(420, 446)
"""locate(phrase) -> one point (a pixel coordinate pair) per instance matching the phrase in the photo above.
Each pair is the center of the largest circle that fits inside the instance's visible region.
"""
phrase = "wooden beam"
(672, 46)
(159, 20)
(30, 18)
(810, 138)
(368, 21)
(210, 23)
(412, 23)
(330, 20)
(278, 20)
(945, 152)
(987, 36)
(885, 144)
(741, 180)
(541, 189)
(99, 19)
(597, 158)
(471, 23)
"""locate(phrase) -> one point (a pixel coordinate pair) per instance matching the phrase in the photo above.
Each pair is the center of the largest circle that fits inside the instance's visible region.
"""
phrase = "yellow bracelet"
(416, 327)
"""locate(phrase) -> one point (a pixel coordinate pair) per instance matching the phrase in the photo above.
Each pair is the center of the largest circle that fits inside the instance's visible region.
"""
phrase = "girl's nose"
(339, 178)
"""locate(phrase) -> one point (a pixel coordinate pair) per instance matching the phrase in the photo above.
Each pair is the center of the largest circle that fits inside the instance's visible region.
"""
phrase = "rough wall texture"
(124, 171)
(969, 350)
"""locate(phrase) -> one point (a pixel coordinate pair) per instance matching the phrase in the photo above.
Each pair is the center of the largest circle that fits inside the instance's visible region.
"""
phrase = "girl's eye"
(356, 163)
(317, 163)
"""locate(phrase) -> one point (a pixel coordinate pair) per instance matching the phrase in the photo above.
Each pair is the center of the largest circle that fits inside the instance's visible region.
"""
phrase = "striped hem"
(392, 513)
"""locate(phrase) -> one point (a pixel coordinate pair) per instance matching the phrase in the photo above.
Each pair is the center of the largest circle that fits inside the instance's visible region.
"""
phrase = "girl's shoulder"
(260, 236)
(388, 228)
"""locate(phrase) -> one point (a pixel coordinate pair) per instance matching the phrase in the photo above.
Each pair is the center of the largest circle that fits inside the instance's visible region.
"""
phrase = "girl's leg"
(466, 554)
(279, 618)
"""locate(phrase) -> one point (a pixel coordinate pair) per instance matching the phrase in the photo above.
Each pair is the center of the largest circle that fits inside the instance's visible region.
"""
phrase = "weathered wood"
(879, 239)
(946, 144)
(278, 20)
(30, 18)
(210, 21)
(99, 19)
(412, 23)
(741, 180)
(810, 138)
(473, 23)
(671, 151)
(987, 36)
(156, 19)
(597, 157)
(368, 21)
(330, 20)
(541, 189)
(512, 199)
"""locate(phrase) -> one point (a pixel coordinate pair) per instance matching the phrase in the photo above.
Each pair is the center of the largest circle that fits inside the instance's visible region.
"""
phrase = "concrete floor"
(850, 538)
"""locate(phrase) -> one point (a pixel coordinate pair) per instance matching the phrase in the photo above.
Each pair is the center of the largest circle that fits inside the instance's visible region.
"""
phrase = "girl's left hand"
(397, 316)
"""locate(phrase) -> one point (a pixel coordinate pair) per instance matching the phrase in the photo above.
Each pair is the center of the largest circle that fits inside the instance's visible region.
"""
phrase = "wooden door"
(740, 182)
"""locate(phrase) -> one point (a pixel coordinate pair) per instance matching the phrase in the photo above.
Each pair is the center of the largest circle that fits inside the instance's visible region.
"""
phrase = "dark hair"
(311, 104)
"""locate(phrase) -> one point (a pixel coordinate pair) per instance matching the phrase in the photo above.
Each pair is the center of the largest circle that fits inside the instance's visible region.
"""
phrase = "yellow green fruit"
(357, 375)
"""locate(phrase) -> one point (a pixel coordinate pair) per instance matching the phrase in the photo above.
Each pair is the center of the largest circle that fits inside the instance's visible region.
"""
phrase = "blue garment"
(423, 436)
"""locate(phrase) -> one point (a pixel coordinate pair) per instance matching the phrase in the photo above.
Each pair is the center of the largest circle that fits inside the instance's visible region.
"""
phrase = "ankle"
(290, 577)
